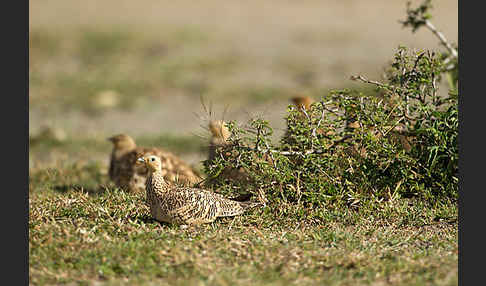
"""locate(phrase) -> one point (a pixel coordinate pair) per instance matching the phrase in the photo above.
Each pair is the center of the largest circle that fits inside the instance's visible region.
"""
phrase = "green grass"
(69, 71)
(46, 152)
(82, 229)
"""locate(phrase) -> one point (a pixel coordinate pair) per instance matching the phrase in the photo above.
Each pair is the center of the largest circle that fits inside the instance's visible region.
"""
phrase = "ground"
(101, 68)
(83, 230)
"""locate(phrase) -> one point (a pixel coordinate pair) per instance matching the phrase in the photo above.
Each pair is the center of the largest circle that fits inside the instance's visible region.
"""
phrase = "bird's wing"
(179, 169)
(210, 205)
(193, 205)
(174, 169)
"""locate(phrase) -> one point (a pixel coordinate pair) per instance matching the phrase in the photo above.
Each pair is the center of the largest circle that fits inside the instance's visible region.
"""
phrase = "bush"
(402, 143)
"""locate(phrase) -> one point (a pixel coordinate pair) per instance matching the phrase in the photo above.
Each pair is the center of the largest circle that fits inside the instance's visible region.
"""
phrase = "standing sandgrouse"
(302, 102)
(219, 141)
(184, 205)
(130, 176)
(219, 137)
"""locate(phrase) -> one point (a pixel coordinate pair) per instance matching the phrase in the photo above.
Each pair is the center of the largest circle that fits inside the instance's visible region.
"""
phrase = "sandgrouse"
(219, 137)
(219, 140)
(302, 102)
(130, 176)
(185, 205)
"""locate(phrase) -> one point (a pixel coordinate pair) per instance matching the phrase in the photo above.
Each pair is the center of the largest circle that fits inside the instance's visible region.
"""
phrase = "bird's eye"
(152, 159)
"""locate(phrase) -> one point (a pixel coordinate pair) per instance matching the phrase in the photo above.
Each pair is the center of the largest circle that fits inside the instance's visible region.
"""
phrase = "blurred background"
(99, 68)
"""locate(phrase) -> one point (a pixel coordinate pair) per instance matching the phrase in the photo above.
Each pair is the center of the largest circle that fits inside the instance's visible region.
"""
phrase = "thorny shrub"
(402, 143)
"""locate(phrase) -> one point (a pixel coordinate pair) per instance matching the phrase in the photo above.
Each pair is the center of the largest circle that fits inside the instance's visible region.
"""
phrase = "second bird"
(130, 176)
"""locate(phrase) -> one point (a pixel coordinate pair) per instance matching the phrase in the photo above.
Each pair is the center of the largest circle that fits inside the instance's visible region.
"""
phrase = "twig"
(299, 194)
(310, 151)
(271, 156)
(309, 121)
(417, 61)
(333, 111)
(391, 112)
(292, 153)
(319, 122)
(441, 37)
(322, 171)
(393, 127)
(365, 80)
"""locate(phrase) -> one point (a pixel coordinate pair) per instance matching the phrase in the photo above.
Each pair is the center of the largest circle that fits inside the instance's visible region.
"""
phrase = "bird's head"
(152, 162)
(302, 102)
(219, 129)
(122, 142)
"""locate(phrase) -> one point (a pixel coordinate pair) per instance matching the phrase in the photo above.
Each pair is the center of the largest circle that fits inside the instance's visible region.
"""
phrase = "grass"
(85, 231)
(82, 229)
(70, 72)
(45, 151)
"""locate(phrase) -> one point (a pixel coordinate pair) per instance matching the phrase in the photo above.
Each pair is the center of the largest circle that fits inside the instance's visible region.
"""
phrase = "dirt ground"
(271, 39)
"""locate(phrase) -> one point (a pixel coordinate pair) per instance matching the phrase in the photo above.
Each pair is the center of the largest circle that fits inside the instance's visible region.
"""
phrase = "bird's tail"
(251, 204)
(233, 208)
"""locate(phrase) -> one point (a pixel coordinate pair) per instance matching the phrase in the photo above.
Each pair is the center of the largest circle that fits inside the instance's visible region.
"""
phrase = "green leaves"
(349, 146)
(416, 17)
(352, 145)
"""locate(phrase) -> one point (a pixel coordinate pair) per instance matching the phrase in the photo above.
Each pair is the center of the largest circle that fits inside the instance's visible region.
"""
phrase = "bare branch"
(393, 127)
(271, 156)
(365, 80)
(441, 37)
(319, 122)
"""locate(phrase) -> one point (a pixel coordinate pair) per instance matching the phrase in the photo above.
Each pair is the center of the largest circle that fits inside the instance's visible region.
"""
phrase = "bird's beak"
(141, 160)
(110, 139)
